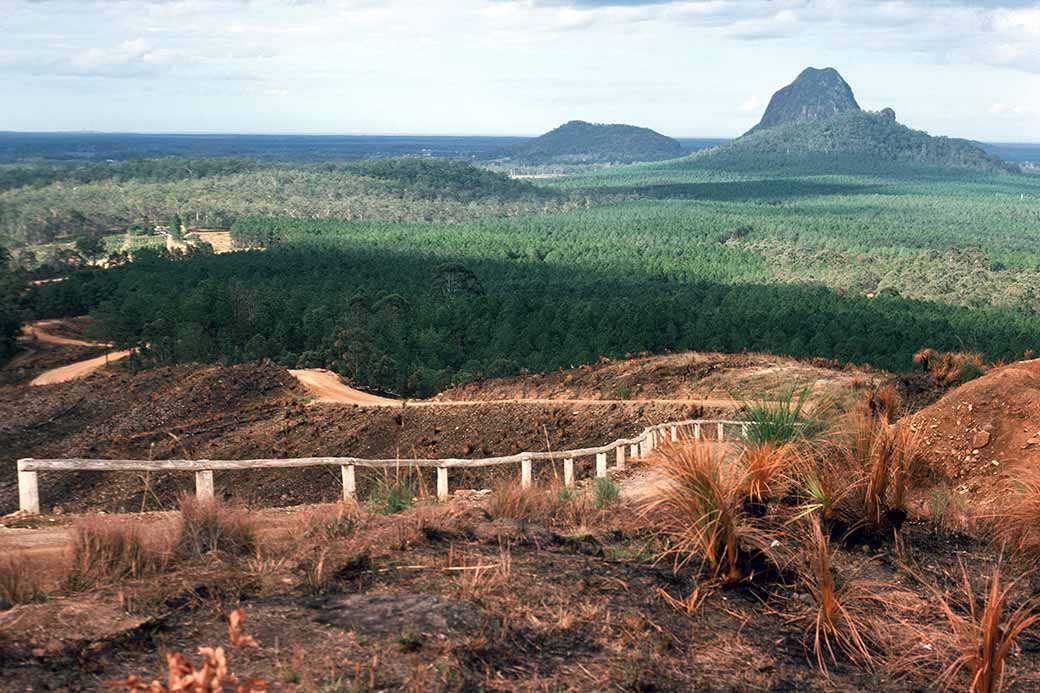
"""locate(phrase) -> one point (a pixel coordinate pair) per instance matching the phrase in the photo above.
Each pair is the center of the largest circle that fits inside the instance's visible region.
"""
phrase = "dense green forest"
(578, 142)
(853, 140)
(102, 199)
(12, 288)
(411, 308)
(408, 275)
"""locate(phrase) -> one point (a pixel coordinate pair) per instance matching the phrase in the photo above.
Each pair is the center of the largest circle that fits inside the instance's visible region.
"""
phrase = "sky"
(689, 68)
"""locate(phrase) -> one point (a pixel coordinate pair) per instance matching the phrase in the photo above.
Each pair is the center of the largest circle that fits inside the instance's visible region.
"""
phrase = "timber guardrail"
(640, 446)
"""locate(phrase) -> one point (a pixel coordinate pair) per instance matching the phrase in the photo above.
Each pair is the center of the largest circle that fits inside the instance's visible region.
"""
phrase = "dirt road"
(79, 369)
(328, 388)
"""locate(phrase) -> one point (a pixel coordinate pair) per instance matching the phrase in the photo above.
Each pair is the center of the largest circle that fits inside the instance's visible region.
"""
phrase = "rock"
(815, 94)
(980, 440)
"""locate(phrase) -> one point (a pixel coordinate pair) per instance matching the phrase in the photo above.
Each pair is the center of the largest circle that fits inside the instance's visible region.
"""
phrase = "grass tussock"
(605, 493)
(108, 549)
(857, 482)
(976, 637)
(212, 525)
(701, 513)
(395, 493)
(951, 367)
(846, 618)
(767, 467)
(779, 422)
(19, 583)
(1017, 524)
(511, 501)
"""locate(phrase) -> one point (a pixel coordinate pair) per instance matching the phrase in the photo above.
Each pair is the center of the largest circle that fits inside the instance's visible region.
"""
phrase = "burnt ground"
(259, 411)
(449, 598)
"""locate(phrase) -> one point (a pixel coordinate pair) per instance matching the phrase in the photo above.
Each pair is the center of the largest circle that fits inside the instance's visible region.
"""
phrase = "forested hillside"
(578, 142)
(851, 142)
(414, 307)
(69, 200)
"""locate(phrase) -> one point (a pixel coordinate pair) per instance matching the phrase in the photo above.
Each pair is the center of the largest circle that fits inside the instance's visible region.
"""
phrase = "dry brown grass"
(1017, 522)
(951, 367)
(19, 582)
(509, 500)
(701, 513)
(106, 549)
(211, 525)
(767, 467)
(884, 402)
(847, 618)
(859, 479)
(974, 642)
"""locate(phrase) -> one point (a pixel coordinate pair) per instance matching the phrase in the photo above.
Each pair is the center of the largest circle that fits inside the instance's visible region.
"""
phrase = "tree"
(175, 227)
(90, 247)
(11, 317)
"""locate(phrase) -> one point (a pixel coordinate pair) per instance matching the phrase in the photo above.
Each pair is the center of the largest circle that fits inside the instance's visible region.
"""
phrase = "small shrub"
(605, 492)
(970, 371)
(622, 391)
(19, 583)
(211, 525)
(109, 549)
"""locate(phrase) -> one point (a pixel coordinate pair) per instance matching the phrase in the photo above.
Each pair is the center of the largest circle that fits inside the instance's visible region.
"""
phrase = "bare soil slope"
(689, 375)
(977, 435)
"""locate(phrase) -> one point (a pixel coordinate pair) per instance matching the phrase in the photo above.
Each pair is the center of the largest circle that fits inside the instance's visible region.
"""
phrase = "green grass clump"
(605, 492)
(778, 422)
(393, 496)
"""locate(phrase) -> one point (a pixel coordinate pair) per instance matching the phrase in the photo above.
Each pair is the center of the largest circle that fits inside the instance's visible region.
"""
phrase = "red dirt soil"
(979, 434)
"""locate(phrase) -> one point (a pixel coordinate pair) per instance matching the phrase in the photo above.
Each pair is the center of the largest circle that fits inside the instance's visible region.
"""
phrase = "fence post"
(743, 430)
(722, 432)
(204, 484)
(349, 482)
(675, 434)
(568, 471)
(633, 451)
(621, 457)
(697, 432)
(525, 472)
(442, 483)
(29, 492)
(601, 464)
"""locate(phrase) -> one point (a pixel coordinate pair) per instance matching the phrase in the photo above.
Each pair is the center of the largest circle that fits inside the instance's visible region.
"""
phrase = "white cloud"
(751, 104)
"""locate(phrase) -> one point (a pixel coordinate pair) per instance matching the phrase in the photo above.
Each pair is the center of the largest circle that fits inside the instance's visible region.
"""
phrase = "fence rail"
(624, 448)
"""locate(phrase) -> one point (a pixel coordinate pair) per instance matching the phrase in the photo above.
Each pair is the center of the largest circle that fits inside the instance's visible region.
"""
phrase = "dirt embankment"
(689, 375)
(977, 435)
(259, 410)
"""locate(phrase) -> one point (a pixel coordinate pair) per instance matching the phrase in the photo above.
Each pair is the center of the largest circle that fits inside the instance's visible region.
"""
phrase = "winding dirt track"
(328, 388)
(73, 370)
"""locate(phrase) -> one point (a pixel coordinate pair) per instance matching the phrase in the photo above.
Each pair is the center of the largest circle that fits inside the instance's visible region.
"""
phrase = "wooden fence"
(625, 448)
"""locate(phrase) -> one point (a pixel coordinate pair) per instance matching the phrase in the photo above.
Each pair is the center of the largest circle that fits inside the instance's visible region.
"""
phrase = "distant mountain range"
(815, 122)
(578, 142)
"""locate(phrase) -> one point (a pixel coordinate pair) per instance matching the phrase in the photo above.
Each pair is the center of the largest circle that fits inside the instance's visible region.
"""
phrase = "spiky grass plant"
(605, 493)
(212, 525)
(700, 511)
(846, 618)
(980, 641)
(780, 421)
(512, 501)
(860, 477)
(767, 467)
